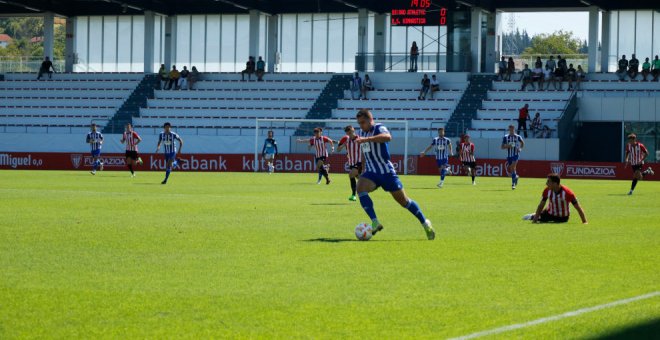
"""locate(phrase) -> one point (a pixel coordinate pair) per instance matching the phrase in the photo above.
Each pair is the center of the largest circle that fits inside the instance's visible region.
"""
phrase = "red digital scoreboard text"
(418, 13)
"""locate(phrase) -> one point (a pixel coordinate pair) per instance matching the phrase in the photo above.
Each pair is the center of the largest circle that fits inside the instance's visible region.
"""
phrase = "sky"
(548, 22)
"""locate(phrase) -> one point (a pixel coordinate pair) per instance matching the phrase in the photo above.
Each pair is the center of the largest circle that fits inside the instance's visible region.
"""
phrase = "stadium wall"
(619, 109)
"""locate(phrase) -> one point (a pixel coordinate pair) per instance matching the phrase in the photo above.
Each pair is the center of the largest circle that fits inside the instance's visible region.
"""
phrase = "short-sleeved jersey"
(94, 138)
(353, 152)
(558, 201)
(376, 155)
(441, 147)
(167, 139)
(467, 152)
(320, 145)
(270, 146)
(131, 139)
(514, 140)
(636, 152)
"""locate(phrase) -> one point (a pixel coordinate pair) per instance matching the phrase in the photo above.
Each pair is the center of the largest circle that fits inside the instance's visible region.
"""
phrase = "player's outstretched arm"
(539, 209)
(139, 139)
(381, 138)
(426, 150)
(522, 143)
(180, 145)
(580, 211)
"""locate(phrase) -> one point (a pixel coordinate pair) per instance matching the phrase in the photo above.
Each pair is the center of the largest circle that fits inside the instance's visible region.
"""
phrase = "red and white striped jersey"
(353, 152)
(131, 140)
(466, 150)
(320, 145)
(636, 153)
(558, 201)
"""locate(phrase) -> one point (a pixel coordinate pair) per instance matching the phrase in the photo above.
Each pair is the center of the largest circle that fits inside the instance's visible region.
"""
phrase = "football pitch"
(243, 255)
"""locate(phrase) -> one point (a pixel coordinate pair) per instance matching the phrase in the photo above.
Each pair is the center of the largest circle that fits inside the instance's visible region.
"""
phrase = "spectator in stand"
(537, 76)
(426, 85)
(623, 68)
(183, 84)
(546, 133)
(414, 53)
(526, 78)
(356, 85)
(550, 66)
(646, 69)
(261, 69)
(435, 85)
(193, 78)
(571, 74)
(174, 79)
(633, 67)
(501, 74)
(579, 77)
(367, 86)
(538, 63)
(46, 67)
(536, 126)
(510, 68)
(560, 71)
(655, 68)
(523, 117)
(249, 69)
(164, 76)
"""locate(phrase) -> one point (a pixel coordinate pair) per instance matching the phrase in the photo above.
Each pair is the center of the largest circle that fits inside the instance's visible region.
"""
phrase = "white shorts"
(269, 156)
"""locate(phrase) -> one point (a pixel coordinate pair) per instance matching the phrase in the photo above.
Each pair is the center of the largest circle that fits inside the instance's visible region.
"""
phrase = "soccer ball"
(363, 232)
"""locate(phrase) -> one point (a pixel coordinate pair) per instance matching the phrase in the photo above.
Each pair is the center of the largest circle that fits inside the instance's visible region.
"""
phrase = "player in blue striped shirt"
(443, 150)
(95, 141)
(168, 139)
(513, 143)
(379, 172)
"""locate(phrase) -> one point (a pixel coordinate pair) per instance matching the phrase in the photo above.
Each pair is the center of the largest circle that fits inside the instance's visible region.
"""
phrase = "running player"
(443, 149)
(636, 153)
(466, 152)
(513, 143)
(354, 156)
(95, 141)
(374, 140)
(558, 210)
(269, 152)
(320, 145)
(168, 139)
(131, 139)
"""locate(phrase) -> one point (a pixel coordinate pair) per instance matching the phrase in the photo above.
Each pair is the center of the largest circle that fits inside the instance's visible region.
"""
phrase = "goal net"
(287, 132)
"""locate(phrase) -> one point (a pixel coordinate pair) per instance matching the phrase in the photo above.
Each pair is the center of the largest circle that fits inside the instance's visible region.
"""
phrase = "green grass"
(252, 255)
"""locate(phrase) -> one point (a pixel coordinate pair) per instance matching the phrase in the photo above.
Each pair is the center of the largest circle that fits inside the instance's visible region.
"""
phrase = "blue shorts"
(442, 162)
(389, 182)
(96, 153)
(170, 156)
(510, 160)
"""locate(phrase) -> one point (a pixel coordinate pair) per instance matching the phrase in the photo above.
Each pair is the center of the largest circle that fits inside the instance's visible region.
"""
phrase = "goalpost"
(333, 128)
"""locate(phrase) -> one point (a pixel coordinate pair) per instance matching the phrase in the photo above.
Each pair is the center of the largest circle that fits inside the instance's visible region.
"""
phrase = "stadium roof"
(172, 7)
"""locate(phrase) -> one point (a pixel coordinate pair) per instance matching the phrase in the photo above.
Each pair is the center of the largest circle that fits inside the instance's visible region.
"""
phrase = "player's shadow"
(330, 204)
(341, 240)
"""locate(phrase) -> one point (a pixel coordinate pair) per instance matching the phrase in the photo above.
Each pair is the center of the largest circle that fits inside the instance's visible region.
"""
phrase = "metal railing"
(401, 62)
(27, 64)
(521, 60)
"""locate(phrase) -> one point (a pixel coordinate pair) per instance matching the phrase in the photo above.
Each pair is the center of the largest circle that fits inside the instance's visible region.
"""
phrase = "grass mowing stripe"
(558, 317)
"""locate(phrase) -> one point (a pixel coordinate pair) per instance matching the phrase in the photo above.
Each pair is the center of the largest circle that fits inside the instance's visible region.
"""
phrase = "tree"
(559, 42)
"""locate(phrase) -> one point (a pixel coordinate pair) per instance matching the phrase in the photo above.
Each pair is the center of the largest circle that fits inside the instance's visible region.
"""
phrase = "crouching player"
(373, 141)
(559, 196)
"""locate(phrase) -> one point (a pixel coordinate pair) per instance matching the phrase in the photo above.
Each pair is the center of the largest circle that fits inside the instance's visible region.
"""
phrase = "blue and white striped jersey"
(376, 155)
(94, 139)
(513, 140)
(441, 147)
(167, 140)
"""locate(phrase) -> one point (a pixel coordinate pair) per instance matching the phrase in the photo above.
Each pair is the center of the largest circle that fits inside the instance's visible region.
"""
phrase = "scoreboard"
(418, 13)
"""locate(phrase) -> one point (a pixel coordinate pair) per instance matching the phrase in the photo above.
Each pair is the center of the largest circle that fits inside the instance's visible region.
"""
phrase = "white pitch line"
(557, 317)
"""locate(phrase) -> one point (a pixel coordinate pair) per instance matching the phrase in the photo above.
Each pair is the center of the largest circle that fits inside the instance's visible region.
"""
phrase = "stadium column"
(70, 45)
(169, 51)
(380, 25)
(272, 42)
(255, 26)
(49, 34)
(605, 43)
(491, 42)
(593, 38)
(149, 20)
(363, 39)
(475, 39)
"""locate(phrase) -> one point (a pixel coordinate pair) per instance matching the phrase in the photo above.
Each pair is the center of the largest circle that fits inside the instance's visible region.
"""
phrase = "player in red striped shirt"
(320, 144)
(131, 139)
(354, 155)
(558, 197)
(466, 153)
(636, 153)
